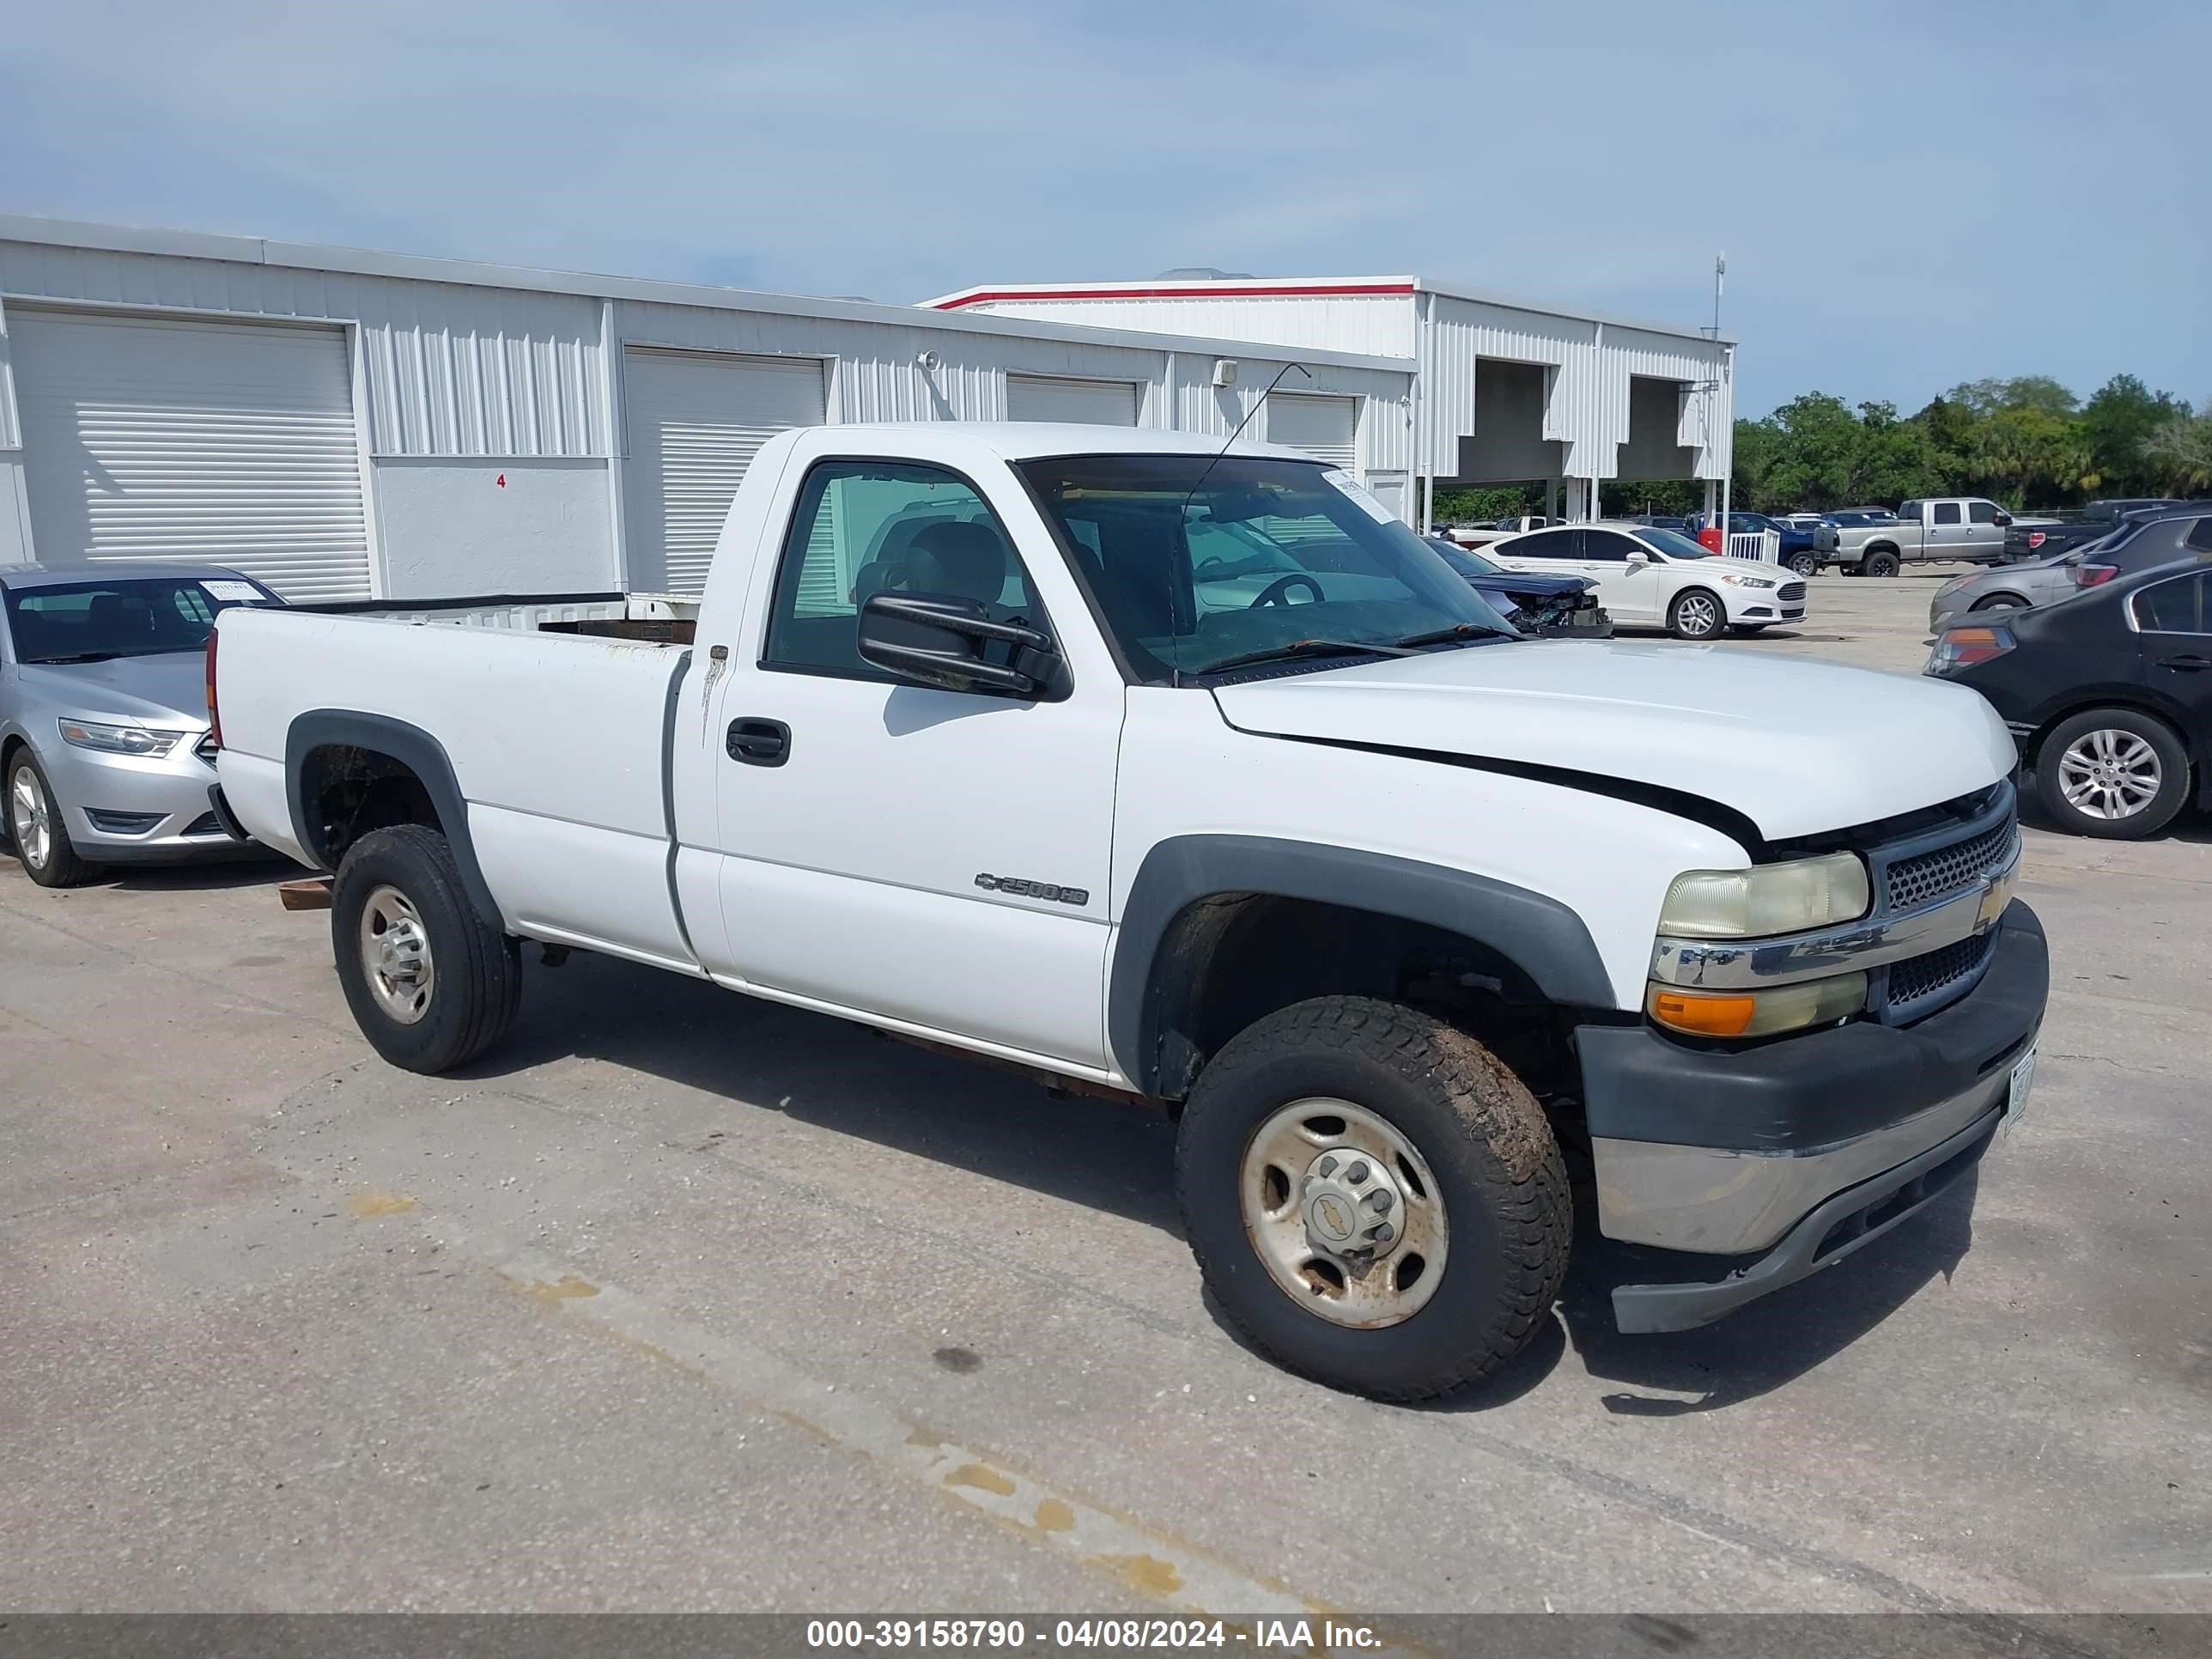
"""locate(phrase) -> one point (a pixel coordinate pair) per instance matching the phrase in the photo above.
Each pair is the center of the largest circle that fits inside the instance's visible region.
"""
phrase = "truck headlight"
(117, 739)
(1767, 899)
(1757, 1014)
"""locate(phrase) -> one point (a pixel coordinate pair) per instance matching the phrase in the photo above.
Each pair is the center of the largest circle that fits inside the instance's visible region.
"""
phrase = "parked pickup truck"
(2039, 538)
(1401, 915)
(1956, 530)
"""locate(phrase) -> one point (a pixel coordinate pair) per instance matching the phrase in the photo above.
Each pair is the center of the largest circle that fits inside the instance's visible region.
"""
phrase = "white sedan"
(1651, 578)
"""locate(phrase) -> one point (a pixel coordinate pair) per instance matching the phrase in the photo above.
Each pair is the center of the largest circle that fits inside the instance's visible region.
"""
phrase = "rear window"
(96, 621)
(2174, 607)
(2200, 536)
(1947, 512)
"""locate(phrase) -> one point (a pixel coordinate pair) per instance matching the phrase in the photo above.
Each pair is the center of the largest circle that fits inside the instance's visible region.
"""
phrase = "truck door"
(936, 857)
(1944, 534)
(1986, 529)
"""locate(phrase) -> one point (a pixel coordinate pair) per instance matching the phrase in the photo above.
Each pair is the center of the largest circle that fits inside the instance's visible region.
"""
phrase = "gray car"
(2159, 535)
(105, 757)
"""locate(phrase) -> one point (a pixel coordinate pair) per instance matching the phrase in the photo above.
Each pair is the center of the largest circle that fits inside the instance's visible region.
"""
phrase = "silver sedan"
(2007, 586)
(105, 755)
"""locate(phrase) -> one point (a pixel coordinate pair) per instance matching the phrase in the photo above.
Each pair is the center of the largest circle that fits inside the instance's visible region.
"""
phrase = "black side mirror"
(2004, 520)
(952, 643)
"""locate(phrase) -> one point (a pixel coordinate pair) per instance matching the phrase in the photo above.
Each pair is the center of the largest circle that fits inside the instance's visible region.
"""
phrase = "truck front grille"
(1920, 985)
(1923, 877)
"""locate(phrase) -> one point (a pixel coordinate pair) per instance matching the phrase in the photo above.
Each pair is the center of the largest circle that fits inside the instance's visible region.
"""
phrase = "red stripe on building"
(1267, 291)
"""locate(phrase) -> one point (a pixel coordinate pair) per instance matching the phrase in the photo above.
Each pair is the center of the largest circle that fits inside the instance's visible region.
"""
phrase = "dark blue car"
(1534, 604)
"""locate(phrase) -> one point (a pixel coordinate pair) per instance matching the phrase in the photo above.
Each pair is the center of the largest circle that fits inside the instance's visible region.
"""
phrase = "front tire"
(1806, 564)
(2114, 774)
(432, 984)
(37, 826)
(1696, 614)
(1374, 1200)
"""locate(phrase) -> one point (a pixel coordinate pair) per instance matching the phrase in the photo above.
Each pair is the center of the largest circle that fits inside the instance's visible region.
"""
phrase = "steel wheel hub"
(31, 821)
(395, 955)
(1697, 616)
(1343, 1210)
(2110, 774)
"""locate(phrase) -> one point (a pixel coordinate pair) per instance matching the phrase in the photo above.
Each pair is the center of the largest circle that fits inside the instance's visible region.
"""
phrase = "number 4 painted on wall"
(501, 481)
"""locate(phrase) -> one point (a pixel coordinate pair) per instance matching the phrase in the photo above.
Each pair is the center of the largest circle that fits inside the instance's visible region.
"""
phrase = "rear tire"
(1478, 1171)
(1805, 564)
(2107, 761)
(1697, 613)
(432, 984)
(1884, 563)
(39, 830)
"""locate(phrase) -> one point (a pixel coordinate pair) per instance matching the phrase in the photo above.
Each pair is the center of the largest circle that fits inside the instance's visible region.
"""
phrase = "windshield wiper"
(1459, 631)
(82, 656)
(1306, 648)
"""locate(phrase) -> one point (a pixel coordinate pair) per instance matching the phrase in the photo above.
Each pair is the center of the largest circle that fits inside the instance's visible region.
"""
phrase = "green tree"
(1896, 458)
(2117, 422)
(1983, 399)
(1819, 443)
(2179, 452)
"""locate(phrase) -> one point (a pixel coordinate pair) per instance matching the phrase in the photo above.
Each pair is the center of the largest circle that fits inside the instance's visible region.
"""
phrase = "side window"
(1909, 510)
(1947, 512)
(1982, 512)
(1544, 545)
(2200, 536)
(866, 528)
(2175, 607)
(1608, 545)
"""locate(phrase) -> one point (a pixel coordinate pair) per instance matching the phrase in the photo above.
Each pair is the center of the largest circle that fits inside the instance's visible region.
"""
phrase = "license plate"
(2023, 1079)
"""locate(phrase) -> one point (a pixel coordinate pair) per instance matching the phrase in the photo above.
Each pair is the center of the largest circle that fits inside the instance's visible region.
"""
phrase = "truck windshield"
(1266, 554)
(131, 617)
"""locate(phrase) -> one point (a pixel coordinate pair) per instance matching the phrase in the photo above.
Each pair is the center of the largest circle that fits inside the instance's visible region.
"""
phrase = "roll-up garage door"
(1092, 402)
(696, 420)
(227, 443)
(1326, 428)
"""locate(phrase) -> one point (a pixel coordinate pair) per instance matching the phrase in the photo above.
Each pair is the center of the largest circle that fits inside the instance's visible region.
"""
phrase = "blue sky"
(1910, 195)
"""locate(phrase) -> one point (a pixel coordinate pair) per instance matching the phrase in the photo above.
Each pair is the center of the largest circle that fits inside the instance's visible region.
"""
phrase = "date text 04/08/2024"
(1297, 1635)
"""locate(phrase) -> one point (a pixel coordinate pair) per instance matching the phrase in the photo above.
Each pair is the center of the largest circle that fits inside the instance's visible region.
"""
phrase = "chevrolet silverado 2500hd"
(1197, 777)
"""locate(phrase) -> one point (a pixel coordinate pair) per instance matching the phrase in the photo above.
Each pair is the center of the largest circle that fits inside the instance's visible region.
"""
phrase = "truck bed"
(558, 744)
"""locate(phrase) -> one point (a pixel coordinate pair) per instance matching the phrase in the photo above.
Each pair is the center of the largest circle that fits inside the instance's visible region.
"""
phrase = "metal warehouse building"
(1508, 391)
(353, 425)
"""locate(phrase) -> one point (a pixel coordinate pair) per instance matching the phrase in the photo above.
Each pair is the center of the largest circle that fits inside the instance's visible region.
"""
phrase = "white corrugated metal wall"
(460, 368)
(1591, 359)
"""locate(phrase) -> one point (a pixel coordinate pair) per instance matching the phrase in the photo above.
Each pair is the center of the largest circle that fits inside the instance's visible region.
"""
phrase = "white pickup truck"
(1199, 779)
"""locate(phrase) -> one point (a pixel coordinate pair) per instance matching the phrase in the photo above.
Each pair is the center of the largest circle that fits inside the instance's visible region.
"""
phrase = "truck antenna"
(1175, 639)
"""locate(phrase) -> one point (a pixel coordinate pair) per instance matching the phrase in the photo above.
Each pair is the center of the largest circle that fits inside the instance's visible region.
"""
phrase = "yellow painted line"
(1157, 1564)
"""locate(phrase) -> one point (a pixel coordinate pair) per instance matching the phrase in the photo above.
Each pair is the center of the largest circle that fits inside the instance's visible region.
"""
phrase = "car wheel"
(1696, 614)
(1805, 564)
(1879, 564)
(1374, 1200)
(36, 824)
(2000, 602)
(2116, 774)
(432, 984)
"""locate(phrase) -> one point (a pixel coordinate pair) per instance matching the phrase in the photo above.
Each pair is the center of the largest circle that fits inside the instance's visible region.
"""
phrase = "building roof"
(470, 273)
(1243, 288)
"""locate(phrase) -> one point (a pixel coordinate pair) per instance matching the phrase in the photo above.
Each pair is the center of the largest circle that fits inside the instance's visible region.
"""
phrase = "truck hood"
(167, 691)
(1796, 747)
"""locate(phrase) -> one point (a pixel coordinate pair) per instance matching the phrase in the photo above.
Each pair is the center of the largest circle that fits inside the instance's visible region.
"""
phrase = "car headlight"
(1737, 580)
(1767, 899)
(1757, 1014)
(118, 740)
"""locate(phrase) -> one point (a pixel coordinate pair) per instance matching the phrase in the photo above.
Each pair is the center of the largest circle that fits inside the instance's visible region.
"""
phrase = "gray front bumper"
(1847, 1222)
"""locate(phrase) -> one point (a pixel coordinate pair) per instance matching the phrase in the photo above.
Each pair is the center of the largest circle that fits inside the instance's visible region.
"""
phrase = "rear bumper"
(1749, 1163)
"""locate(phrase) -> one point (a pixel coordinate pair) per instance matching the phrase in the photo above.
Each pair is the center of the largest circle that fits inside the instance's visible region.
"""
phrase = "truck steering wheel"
(1281, 586)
